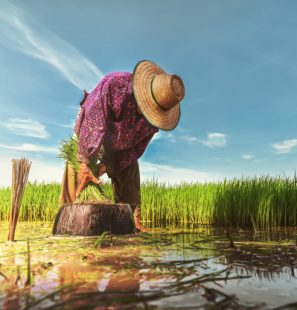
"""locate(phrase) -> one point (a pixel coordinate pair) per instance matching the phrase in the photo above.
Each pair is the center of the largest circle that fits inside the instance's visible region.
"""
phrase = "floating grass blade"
(29, 279)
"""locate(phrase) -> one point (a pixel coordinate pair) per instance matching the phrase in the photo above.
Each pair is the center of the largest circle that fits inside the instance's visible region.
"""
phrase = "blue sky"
(237, 59)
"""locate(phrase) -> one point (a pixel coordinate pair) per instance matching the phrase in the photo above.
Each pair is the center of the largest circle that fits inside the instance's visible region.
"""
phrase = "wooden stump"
(91, 219)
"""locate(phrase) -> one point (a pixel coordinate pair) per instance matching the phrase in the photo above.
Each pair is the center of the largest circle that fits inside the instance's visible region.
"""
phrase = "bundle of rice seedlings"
(92, 192)
(20, 173)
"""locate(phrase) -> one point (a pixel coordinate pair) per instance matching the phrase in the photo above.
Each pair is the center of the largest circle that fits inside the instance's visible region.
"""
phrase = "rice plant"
(259, 203)
(92, 192)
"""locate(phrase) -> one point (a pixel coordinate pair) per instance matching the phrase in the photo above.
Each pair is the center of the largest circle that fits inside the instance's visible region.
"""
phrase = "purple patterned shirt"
(109, 120)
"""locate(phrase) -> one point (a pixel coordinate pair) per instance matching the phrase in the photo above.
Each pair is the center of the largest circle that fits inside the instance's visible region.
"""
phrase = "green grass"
(258, 203)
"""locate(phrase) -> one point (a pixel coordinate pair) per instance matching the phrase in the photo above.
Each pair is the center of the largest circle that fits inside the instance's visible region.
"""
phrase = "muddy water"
(188, 268)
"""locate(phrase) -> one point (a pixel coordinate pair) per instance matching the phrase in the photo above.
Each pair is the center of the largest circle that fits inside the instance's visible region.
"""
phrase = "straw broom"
(20, 173)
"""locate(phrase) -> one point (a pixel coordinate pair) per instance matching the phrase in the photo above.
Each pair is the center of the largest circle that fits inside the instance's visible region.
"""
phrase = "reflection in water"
(275, 259)
(271, 264)
(166, 268)
(11, 298)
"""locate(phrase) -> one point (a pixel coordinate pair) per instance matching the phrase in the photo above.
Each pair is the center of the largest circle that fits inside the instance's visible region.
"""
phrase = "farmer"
(116, 122)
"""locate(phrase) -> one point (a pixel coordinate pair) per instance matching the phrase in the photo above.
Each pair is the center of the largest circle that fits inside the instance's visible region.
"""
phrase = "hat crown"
(167, 90)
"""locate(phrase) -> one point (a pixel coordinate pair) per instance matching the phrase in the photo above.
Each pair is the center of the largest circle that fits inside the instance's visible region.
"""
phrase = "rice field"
(258, 203)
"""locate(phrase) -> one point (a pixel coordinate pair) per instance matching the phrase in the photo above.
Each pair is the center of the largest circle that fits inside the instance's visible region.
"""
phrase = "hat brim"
(143, 75)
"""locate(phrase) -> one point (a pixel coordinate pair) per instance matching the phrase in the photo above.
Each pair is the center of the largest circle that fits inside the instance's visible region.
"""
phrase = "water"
(185, 268)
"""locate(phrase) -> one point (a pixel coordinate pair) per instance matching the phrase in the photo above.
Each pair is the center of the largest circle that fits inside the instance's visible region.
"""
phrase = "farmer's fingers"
(78, 191)
(95, 180)
(81, 184)
(90, 177)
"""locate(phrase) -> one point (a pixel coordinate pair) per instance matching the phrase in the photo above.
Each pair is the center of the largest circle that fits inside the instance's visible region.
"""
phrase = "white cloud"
(74, 107)
(189, 139)
(27, 147)
(26, 127)
(285, 146)
(34, 40)
(247, 156)
(174, 175)
(48, 171)
(215, 139)
(164, 136)
(70, 125)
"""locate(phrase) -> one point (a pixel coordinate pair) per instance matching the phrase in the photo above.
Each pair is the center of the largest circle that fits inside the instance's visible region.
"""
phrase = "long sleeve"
(109, 124)
(92, 122)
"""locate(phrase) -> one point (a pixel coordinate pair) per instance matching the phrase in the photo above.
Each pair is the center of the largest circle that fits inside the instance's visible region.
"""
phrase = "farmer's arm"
(85, 175)
(91, 132)
(91, 128)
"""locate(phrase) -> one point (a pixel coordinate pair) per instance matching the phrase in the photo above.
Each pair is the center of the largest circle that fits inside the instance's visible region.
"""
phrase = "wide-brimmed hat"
(158, 94)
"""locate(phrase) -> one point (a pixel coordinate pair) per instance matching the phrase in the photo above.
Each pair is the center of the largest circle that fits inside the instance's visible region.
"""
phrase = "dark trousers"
(126, 187)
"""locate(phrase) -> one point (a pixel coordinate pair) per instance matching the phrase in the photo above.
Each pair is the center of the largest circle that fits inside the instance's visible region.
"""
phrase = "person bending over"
(116, 122)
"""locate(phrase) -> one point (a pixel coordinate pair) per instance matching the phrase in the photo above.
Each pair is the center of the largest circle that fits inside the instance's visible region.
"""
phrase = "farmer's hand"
(101, 169)
(85, 175)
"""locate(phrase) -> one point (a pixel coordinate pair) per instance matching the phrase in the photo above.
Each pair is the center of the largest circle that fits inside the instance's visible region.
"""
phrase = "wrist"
(83, 166)
(83, 160)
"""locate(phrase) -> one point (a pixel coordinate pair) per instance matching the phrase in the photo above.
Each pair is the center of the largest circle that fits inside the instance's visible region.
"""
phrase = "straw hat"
(158, 94)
